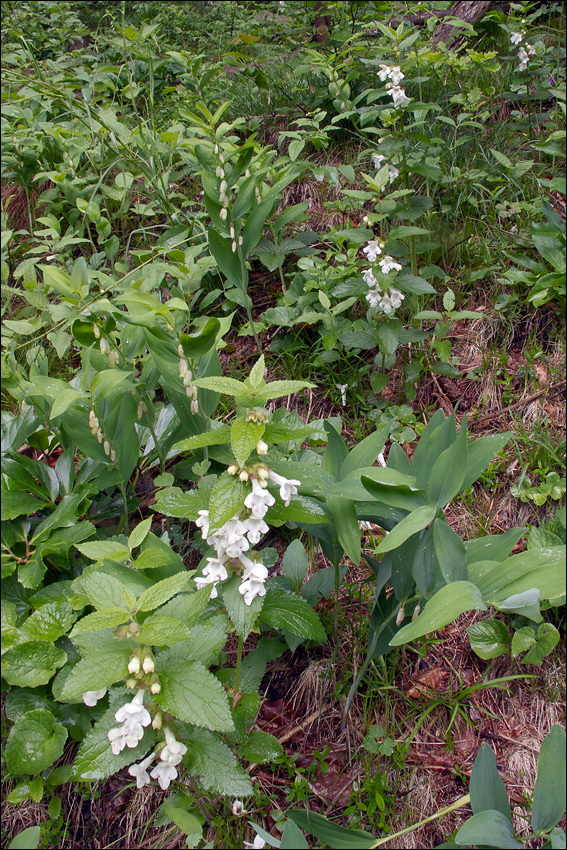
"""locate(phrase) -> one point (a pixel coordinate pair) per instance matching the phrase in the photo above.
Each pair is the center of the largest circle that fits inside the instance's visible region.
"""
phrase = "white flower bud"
(157, 721)
(223, 186)
(155, 688)
(183, 368)
(223, 199)
(262, 447)
(104, 346)
(247, 173)
(113, 359)
(96, 331)
(416, 611)
(234, 247)
(221, 158)
(223, 214)
(93, 421)
(244, 476)
(112, 456)
(188, 380)
(131, 683)
(262, 473)
(148, 665)
(99, 435)
(134, 665)
(401, 616)
(232, 469)
(106, 447)
(180, 350)
(194, 407)
(232, 231)
(240, 240)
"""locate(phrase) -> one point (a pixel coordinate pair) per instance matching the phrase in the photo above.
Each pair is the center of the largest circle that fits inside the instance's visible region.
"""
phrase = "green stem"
(247, 300)
(237, 673)
(370, 652)
(458, 804)
(123, 525)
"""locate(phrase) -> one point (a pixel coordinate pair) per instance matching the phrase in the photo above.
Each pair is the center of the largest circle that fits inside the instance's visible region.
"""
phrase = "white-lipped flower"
(288, 486)
(254, 577)
(174, 750)
(134, 716)
(164, 773)
(378, 159)
(516, 37)
(140, 773)
(203, 523)
(255, 528)
(398, 95)
(92, 697)
(214, 572)
(257, 844)
(259, 500)
(374, 297)
(368, 277)
(396, 75)
(388, 264)
(384, 72)
(372, 251)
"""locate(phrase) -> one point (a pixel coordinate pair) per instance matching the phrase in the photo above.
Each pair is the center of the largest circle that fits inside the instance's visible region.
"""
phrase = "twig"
(501, 410)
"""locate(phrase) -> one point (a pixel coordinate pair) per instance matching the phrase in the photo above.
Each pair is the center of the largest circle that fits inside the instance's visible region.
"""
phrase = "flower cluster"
(133, 717)
(387, 301)
(395, 75)
(524, 53)
(166, 769)
(244, 529)
(187, 377)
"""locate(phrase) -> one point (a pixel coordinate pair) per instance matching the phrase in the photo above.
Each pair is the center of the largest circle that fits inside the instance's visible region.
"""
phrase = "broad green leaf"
(450, 552)
(277, 389)
(388, 336)
(295, 563)
(64, 400)
(216, 437)
(489, 638)
(256, 376)
(425, 566)
(35, 742)
(212, 761)
(27, 839)
(150, 559)
(393, 488)
(414, 522)
(193, 694)
(14, 503)
(254, 226)
(102, 666)
(95, 760)
(185, 505)
(104, 591)
(226, 500)
(186, 607)
(32, 664)
(199, 342)
(501, 158)
(104, 618)
(414, 284)
(538, 648)
(228, 386)
(260, 747)
(159, 630)
(486, 787)
(543, 569)
(293, 838)
(558, 839)
(329, 833)
(242, 616)
(163, 590)
(345, 521)
(300, 509)
(493, 547)
(207, 640)
(139, 534)
(364, 453)
(184, 821)
(50, 622)
(336, 452)
(227, 260)
(244, 437)
(448, 471)
(284, 610)
(489, 827)
(480, 453)
(97, 550)
(444, 607)
(522, 640)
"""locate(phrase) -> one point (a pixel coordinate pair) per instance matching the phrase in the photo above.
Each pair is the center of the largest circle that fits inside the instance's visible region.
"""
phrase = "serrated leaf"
(193, 694)
(104, 591)
(159, 630)
(226, 500)
(35, 742)
(212, 761)
(105, 618)
(260, 747)
(50, 622)
(444, 607)
(186, 505)
(244, 437)
(243, 616)
(95, 759)
(105, 664)
(277, 389)
(139, 534)
(96, 550)
(155, 596)
(227, 386)
(32, 664)
(283, 610)
(489, 638)
(216, 437)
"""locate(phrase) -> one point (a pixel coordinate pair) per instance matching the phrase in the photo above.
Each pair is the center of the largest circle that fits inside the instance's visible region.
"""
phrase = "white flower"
(372, 251)
(214, 572)
(342, 388)
(164, 773)
(384, 72)
(254, 575)
(396, 75)
(223, 214)
(387, 264)
(174, 751)
(134, 716)
(393, 173)
(255, 528)
(230, 540)
(259, 500)
(203, 523)
(262, 447)
(148, 665)
(238, 808)
(92, 697)
(378, 159)
(257, 845)
(288, 486)
(368, 277)
(516, 37)
(134, 665)
(398, 95)
(400, 617)
(374, 297)
(139, 772)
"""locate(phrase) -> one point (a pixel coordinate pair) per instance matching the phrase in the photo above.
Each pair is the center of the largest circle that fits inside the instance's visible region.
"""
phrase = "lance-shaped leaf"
(244, 436)
(227, 499)
(486, 787)
(450, 551)
(550, 787)
(448, 472)
(345, 520)
(216, 437)
(414, 522)
(329, 833)
(442, 609)
(163, 590)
